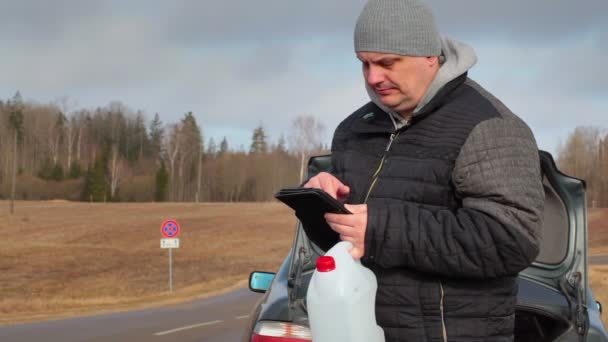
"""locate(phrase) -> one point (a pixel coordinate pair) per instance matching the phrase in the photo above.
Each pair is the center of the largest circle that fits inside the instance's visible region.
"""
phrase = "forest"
(115, 154)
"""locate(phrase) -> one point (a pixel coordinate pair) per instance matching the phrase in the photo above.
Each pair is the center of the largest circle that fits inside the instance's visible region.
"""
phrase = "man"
(443, 181)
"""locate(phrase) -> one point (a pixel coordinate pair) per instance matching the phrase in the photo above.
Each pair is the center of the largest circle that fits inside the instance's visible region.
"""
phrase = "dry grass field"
(598, 277)
(61, 259)
(598, 245)
(598, 231)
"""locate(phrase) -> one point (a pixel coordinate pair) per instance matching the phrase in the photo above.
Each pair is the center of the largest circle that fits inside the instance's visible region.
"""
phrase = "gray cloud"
(231, 21)
(185, 21)
(238, 63)
(45, 21)
(195, 23)
(103, 53)
(266, 60)
(533, 22)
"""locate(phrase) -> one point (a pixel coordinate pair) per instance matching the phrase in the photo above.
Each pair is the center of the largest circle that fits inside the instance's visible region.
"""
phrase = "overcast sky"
(238, 63)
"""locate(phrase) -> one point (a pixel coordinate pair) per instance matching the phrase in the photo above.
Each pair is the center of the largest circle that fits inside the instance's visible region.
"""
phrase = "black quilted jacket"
(454, 212)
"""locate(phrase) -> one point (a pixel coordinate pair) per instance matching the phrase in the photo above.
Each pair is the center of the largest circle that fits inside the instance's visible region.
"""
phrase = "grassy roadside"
(598, 245)
(598, 231)
(61, 259)
(598, 279)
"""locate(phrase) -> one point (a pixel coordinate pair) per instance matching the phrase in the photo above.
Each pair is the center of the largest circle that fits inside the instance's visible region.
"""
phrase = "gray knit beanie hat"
(402, 27)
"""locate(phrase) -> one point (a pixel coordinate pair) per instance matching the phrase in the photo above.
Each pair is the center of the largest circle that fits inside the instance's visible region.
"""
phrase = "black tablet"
(310, 200)
(310, 205)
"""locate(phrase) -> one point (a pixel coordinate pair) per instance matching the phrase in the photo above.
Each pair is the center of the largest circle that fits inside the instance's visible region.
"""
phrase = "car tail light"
(266, 331)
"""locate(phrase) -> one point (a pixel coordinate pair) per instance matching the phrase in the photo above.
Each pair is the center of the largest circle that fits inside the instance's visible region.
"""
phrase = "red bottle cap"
(326, 264)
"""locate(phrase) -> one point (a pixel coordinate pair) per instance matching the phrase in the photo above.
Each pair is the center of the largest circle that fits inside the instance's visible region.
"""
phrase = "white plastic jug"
(341, 299)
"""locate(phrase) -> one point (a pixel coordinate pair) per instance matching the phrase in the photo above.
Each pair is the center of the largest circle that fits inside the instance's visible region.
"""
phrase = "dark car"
(554, 301)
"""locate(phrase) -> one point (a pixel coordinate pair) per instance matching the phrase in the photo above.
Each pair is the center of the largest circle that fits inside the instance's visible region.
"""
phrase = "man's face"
(399, 81)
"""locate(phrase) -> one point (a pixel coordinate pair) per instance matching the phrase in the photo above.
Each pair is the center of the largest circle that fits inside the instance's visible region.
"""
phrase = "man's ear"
(432, 60)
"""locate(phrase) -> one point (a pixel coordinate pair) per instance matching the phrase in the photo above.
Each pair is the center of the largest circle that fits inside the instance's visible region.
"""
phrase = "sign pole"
(170, 230)
(171, 269)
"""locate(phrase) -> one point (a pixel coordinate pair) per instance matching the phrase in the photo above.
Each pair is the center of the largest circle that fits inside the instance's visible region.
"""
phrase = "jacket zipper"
(443, 329)
(371, 187)
(377, 173)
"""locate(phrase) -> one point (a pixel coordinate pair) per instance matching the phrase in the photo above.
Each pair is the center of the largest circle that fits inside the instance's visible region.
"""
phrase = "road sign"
(169, 243)
(170, 229)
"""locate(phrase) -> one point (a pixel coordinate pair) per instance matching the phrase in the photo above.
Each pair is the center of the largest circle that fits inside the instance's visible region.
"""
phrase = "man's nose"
(374, 75)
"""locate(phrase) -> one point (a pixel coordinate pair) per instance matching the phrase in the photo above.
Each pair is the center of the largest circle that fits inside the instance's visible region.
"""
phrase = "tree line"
(585, 155)
(111, 153)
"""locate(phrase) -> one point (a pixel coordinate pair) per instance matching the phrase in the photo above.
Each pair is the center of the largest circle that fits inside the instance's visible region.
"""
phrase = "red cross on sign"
(170, 229)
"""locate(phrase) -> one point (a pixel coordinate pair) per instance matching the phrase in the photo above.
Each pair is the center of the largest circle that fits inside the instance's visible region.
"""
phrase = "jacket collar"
(372, 119)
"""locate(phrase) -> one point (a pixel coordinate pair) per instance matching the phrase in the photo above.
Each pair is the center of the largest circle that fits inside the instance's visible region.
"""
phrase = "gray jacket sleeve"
(495, 233)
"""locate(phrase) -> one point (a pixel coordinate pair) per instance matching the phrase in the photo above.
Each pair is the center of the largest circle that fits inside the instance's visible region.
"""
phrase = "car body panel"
(547, 288)
(572, 193)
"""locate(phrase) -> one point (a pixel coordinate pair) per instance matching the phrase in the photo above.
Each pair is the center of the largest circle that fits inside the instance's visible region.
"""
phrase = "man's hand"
(351, 227)
(329, 184)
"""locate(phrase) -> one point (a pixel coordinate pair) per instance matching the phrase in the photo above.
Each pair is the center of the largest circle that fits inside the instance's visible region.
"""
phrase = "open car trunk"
(538, 326)
(552, 292)
(560, 269)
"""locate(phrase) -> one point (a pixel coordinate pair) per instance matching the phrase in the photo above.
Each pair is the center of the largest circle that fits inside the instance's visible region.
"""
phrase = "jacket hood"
(459, 58)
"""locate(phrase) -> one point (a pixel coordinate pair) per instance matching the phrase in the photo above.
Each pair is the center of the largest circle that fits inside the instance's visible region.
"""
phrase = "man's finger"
(341, 229)
(356, 253)
(312, 183)
(345, 219)
(347, 238)
(356, 208)
(343, 190)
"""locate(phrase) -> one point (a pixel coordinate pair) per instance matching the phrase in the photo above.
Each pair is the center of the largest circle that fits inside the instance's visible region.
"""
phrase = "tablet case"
(310, 204)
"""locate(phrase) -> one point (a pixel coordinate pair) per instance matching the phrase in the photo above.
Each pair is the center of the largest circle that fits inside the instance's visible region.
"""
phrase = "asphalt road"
(217, 319)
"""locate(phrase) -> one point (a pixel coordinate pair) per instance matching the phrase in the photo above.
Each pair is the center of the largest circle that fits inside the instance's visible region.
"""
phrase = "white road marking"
(241, 317)
(186, 328)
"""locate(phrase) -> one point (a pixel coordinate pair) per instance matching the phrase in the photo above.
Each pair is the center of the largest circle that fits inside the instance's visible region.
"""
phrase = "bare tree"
(15, 119)
(581, 157)
(80, 123)
(116, 165)
(5, 138)
(54, 137)
(198, 176)
(306, 137)
(603, 171)
(71, 133)
(69, 127)
(172, 148)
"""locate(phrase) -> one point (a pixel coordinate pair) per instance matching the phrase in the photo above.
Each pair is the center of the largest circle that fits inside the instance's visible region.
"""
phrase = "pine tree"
(162, 184)
(224, 147)
(156, 137)
(45, 170)
(191, 130)
(95, 189)
(190, 165)
(281, 145)
(141, 135)
(258, 141)
(57, 173)
(75, 171)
